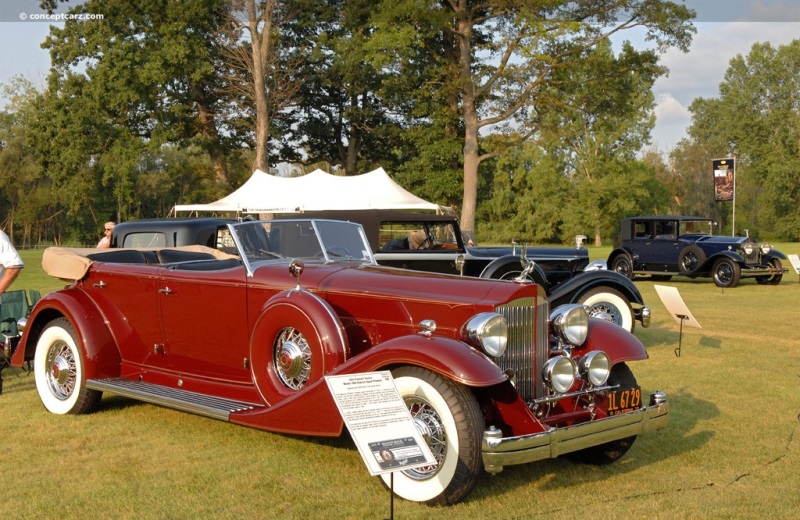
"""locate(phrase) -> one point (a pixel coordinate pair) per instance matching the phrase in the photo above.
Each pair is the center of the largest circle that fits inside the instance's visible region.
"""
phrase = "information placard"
(672, 300)
(795, 260)
(379, 422)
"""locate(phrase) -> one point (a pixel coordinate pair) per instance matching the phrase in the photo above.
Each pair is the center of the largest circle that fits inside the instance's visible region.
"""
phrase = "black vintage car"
(663, 246)
(565, 272)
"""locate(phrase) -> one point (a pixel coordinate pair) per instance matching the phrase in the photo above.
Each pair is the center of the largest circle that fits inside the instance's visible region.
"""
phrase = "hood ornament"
(527, 266)
(296, 269)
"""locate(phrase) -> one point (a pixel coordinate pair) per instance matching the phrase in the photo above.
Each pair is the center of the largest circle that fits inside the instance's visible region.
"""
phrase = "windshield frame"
(324, 231)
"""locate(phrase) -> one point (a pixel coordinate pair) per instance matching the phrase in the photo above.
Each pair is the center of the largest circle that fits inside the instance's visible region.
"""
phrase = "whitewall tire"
(450, 420)
(606, 301)
(59, 370)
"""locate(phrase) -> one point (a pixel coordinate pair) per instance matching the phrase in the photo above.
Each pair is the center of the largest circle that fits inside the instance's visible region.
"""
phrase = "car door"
(126, 295)
(660, 252)
(204, 316)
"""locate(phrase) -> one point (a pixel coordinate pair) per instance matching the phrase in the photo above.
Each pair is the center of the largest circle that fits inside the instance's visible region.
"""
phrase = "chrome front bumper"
(499, 452)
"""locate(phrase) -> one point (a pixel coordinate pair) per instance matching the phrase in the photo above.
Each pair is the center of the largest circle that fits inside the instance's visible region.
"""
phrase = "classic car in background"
(491, 374)
(561, 271)
(663, 246)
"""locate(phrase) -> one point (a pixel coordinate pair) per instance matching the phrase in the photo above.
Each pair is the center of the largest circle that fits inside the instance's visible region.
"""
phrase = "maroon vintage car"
(491, 377)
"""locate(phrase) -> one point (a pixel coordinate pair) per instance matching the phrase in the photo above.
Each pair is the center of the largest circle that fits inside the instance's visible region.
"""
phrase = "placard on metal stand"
(795, 261)
(672, 300)
(380, 424)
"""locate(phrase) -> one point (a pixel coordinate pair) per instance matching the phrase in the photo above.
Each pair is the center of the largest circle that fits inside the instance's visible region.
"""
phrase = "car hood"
(725, 240)
(370, 293)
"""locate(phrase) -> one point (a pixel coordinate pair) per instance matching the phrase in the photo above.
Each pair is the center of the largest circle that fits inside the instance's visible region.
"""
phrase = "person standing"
(10, 262)
(10, 266)
(106, 240)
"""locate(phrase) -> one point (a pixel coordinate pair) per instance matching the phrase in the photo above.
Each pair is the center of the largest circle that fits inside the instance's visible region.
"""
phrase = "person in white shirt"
(106, 240)
(10, 263)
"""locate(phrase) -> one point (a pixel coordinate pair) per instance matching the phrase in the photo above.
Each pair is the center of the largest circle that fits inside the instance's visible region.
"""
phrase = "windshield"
(698, 227)
(324, 240)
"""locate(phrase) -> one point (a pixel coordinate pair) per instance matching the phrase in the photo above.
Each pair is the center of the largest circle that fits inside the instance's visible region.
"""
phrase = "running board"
(183, 400)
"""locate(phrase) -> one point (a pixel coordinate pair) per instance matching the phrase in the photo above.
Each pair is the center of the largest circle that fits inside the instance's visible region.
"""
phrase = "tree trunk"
(260, 45)
(471, 121)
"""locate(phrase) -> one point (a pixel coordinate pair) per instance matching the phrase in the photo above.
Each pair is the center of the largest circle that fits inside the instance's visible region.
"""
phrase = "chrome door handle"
(100, 285)
(166, 290)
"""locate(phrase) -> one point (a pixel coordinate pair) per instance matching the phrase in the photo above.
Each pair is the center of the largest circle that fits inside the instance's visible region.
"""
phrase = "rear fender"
(571, 290)
(101, 354)
(618, 343)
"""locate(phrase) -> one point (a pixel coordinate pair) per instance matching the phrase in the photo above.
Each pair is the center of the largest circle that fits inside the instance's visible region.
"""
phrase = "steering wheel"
(426, 243)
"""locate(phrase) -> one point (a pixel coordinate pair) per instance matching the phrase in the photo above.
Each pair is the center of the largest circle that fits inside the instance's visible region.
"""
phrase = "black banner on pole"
(724, 172)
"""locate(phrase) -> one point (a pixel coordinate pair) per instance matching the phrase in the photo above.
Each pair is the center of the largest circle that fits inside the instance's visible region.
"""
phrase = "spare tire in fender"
(690, 258)
(297, 339)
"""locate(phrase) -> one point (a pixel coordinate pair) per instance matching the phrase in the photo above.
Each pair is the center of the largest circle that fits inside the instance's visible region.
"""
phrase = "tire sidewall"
(623, 265)
(699, 255)
(434, 486)
(734, 273)
(57, 333)
(612, 298)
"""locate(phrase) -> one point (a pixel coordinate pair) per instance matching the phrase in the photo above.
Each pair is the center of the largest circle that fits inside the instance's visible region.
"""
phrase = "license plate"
(624, 400)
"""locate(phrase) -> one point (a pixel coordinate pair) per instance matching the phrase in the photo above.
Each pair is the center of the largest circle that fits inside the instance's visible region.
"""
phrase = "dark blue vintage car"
(663, 246)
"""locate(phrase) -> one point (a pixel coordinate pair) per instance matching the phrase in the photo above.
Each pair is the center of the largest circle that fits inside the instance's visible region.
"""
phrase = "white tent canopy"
(316, 191)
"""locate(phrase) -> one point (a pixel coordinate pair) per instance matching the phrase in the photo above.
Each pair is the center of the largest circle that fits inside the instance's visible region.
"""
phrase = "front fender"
(494, 268)
(710, 261)
(618, 343)
(448, 357)
(571, 290)
(100, 351)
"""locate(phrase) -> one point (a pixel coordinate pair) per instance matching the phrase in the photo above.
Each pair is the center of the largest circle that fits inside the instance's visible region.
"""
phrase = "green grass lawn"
(731, 450)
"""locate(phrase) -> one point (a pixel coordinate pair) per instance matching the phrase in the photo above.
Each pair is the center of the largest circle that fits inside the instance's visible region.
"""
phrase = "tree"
(756, 119)
(600, 115)
(528, 194)
(339, 115)
(25, 194)
(503, 54)
(148, 74)
(262, 80)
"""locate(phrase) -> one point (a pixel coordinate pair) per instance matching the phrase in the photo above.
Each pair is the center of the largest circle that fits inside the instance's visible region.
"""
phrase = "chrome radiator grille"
(753, 258)
(528, 344)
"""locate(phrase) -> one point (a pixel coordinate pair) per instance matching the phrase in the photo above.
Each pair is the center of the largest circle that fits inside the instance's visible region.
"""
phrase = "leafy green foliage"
(756, 119)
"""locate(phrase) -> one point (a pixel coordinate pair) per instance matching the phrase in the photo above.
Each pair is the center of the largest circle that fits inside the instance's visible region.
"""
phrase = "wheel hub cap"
(62, 372)
(292, 357)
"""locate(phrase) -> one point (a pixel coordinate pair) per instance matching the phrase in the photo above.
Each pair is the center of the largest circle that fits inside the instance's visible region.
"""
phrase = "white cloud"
(670, 110)
(699, 72)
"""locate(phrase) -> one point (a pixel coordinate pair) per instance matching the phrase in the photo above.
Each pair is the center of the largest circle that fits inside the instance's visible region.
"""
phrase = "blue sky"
(725, 28)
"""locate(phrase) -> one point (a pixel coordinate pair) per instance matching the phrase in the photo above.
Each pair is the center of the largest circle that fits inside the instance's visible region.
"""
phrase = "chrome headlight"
(559, 373)
(748, 248)
(487, 331)
(570, 323)
(595, 367)
(765, 248)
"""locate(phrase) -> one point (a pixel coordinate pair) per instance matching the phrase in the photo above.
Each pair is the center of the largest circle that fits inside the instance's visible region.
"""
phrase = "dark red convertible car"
(491, 375)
